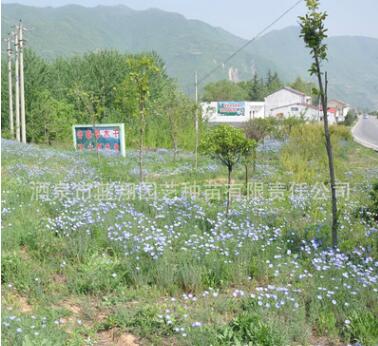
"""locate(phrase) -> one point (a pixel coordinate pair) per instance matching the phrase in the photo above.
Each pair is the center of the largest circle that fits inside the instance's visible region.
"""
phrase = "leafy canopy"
(227, 144)
(313, 33)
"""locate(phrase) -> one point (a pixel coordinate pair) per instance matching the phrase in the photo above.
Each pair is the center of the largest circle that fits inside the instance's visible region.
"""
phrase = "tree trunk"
(174, 148)
(94, 134)
(228, 190)
(141, 143)
(246, 176)
(324, 101)
(173, 135)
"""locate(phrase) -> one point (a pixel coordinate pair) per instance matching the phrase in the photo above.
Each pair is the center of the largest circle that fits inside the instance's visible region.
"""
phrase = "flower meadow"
(174, 269)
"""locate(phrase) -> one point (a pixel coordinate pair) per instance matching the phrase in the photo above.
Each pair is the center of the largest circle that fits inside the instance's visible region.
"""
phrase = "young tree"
(313, 33)
(92, 107)
(257, 130)
(171, 102)
(248, 158)
(135, 94)
(226, 144)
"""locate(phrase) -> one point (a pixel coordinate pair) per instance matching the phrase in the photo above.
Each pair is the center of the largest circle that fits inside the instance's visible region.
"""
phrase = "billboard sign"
(231, 108)
(107, 138)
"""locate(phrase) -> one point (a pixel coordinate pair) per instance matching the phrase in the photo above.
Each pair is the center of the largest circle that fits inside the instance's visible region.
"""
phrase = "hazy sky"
(247, 17)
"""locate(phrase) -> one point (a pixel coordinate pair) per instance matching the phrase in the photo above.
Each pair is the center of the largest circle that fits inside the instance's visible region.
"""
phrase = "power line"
(250, 41)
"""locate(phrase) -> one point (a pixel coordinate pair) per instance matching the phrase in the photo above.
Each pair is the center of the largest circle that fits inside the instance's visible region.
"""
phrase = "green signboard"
(231, 108)
(107, 138)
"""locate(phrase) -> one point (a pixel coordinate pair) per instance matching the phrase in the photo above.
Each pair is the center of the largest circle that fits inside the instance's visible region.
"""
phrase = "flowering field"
(92, 257)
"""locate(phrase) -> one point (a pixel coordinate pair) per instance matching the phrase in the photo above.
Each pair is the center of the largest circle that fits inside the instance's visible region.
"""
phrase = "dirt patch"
(71, 306)
(59, 279)
(25, 307)
(19, 302)
(24, 254)
(323, 341)
(114, 337)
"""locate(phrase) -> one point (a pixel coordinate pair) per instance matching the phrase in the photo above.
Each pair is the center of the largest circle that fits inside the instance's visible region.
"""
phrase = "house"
(288, 102)
(338, 109)
(299, 110)
(284, 103)
(231, 112)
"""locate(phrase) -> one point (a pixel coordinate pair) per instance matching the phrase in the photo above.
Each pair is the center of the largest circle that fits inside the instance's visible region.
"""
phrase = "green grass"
(177, 271)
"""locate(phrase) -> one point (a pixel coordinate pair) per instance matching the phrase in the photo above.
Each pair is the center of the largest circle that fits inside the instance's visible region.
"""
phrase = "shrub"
(373, 207)
(250, 329)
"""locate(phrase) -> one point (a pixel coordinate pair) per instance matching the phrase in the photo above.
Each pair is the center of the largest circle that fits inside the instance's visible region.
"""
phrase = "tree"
(313, 33)
(171, 102)
(257, 90)
(143, 71)
(273, 83)
(257, 130)
(226, 144)
(308, 88)
(177, 108)
(248, 158)
(50, 119)
(288, 124)
(350, 118)
(224, 90)
(92, 107)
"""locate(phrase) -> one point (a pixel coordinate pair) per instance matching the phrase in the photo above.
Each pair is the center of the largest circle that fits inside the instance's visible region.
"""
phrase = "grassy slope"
(84, 282)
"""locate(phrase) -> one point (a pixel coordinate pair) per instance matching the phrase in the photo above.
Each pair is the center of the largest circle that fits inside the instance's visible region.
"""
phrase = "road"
(365, 132)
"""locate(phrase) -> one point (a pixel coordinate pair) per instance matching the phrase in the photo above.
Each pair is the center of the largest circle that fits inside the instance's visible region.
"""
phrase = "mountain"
(190, 45)
(352, 63)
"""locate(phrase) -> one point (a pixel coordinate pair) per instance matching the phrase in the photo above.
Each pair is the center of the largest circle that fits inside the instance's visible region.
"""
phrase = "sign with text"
(107, 138)
(231, 108)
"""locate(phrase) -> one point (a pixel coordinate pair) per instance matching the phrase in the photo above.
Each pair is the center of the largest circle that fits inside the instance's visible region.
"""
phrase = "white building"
(231, 112)
(284, 103)
(338, 109)
(298, 110)
(288, 102)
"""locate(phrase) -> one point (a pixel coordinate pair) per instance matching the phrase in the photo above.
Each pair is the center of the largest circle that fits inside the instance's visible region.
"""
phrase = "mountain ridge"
(187, 45)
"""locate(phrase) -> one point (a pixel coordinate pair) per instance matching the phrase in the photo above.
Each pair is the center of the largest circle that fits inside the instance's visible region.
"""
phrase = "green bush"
(250, 329)
(373, 207)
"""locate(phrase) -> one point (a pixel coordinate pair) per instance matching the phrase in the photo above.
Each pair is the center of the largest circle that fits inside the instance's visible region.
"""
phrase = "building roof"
(295, 91)
(338, 101)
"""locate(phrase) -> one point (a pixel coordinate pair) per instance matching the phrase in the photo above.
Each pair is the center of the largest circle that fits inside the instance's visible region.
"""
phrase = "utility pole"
(196, 120)
(10, 88)
(17, 85)
(22, 91)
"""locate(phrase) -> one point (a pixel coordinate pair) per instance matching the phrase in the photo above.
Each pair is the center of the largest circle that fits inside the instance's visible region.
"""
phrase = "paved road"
(366, 132)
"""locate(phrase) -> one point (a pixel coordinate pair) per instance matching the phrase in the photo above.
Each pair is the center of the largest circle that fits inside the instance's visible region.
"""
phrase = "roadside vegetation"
(150, 249)
(78, 268)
